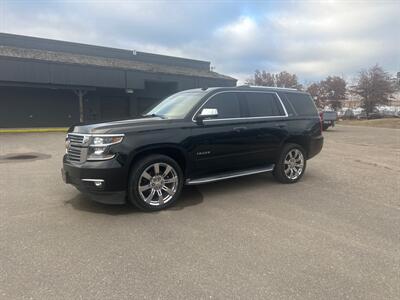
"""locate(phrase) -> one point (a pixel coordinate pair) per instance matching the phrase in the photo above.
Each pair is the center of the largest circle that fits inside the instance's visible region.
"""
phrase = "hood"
(121, 126)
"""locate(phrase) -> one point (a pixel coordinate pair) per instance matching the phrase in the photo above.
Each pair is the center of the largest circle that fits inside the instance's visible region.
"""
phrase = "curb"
(33, 130)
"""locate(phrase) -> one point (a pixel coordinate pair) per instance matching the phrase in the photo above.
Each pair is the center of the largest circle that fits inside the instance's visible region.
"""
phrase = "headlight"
(106, 140)
(67, 144)
(99, 148)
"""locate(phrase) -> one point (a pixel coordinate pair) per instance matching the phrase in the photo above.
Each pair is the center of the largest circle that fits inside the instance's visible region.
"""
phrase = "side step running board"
(224, 176)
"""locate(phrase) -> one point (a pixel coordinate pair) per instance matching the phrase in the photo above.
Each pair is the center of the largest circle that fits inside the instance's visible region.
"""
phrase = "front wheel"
(155, 183)
(291, 164)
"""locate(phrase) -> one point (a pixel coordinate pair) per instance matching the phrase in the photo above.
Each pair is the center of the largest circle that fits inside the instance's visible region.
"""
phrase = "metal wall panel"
(135, 80)
(171, 61)
(22, 71)
(33, 107)
(208, 82)
(14, 70)
(87, 76)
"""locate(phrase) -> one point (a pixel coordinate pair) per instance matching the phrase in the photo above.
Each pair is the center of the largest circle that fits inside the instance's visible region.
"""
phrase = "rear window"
(263, 105)
(302, 104)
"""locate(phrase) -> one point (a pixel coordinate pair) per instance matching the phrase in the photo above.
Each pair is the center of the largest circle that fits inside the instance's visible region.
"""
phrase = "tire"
(281, 171)
(146, 184)
(325, 127)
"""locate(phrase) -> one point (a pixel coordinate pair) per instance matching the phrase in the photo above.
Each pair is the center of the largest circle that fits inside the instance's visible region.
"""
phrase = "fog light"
(98, 183)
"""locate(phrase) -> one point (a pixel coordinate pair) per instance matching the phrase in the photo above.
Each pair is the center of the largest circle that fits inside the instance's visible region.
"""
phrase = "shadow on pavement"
(23, 157)
(190, 196)
(235, 185)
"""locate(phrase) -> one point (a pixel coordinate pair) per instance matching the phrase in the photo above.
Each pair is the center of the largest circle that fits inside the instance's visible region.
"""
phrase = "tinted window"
(286, 103)
(263, 105)
(302, 104)
(227, 105)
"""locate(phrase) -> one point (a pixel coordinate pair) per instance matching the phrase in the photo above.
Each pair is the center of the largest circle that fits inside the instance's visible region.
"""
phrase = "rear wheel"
(155, 183)
(291, 164)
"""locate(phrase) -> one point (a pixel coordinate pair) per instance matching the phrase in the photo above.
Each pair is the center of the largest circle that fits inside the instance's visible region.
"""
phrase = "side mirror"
(207, 113)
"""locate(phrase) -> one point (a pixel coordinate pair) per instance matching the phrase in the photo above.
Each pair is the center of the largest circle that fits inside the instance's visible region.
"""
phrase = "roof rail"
(267, 87)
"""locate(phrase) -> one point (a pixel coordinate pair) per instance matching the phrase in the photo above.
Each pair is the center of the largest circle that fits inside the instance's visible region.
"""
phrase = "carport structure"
(56, 83)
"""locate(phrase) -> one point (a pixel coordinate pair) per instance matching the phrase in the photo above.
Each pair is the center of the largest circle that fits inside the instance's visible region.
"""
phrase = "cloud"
(311, 39)
(315, 40)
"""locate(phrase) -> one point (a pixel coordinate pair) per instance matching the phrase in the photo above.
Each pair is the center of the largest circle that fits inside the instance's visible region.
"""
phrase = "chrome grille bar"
(75, 150)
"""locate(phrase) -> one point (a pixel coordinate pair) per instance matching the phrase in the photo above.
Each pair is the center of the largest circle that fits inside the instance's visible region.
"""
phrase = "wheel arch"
(173, 151)
(299, 140)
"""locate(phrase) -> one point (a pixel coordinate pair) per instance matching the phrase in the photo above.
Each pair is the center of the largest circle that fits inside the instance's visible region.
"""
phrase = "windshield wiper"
(153, 115)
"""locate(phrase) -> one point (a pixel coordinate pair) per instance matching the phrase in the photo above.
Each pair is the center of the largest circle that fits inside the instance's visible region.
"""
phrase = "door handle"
(238, 129)
(280, 125)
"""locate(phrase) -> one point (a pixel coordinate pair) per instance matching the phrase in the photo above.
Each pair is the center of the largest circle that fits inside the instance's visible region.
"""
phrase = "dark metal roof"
(45, 50)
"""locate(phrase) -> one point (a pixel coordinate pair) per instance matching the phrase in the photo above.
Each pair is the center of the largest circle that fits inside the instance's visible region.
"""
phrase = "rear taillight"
(321, 117)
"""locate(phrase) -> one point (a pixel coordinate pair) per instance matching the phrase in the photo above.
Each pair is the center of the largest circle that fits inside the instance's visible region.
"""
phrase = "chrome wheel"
(293, 164)
(158, 184)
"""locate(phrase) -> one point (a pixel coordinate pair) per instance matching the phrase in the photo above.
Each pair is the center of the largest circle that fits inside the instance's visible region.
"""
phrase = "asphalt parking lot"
(335, 234)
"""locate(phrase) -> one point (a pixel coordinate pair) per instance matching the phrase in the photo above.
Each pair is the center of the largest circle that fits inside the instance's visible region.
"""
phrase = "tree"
(282, 79)
(334, 90)
(263, 78)
(316, 92)
(287, 80)
(374, 87)
(331, 90)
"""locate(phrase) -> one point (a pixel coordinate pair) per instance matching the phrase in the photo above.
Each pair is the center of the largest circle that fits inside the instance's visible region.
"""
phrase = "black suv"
(194, 137)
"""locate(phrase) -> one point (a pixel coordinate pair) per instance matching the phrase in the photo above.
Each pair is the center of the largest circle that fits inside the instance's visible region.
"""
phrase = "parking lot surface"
(335, 234)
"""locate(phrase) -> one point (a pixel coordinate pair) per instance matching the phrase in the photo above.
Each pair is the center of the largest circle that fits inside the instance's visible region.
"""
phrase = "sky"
(312, 39)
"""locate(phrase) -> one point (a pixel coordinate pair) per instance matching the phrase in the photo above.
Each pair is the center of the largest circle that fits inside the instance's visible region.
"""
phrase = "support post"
(80, 93)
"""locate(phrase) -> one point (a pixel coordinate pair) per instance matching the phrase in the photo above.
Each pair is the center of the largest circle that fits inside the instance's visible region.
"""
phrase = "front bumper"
(101, 181)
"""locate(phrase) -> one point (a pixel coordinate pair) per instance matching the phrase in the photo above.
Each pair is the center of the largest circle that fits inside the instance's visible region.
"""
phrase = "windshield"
(176, 106)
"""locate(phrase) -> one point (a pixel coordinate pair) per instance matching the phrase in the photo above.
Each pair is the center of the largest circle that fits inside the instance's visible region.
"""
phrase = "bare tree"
(263, 78)
(329, 91)
(249, 81)
(374, 86)
(268, 78)
(334, 90)
(282, 79)
(317, 93)
(257, 78)
(287, 80)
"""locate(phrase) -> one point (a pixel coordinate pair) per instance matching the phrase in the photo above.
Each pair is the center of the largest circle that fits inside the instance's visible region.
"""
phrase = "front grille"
(76, 139)
(75, 150)
(74, 153)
